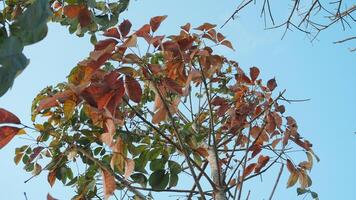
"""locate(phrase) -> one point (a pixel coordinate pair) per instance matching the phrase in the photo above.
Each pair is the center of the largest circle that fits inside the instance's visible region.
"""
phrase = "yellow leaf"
(118, 162)
(68, 108)
(21, 132)
(39, 127)
(293, 178)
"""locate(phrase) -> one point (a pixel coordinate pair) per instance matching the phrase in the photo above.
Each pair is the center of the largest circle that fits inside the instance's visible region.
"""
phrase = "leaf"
(131, 41)
(249, 169)
(53, 100)
(155, 22)
(262, 161)
(205, 27)
(24, 26)
(227, 43)
(6, 134)
(72, 11)
(174, 167)
(173, 180)
(49, 197)
(129, 167)
(272, 84)
(112, 32)
(290, 166)
(12, 62)
(68, 108)
(304, 180)
(186, 27)
(293, 178)
(144, 31)
(51, 178)
(159, 180)
(109, 183)
(8, 117)
(118, 162)
(125, 27)
(157, 164)
(159, 116)
(84, 17)
(254, 72)
(140, 179)
(133, 89)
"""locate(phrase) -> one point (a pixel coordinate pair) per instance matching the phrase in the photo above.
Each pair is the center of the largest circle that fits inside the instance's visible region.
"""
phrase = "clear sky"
(321, 71)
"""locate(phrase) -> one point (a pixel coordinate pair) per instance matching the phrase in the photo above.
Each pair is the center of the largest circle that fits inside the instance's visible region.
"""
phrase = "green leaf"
(12, 62)
(31, 26)
(314, 195)
(173, 180)
(140, 179)
(153, 154)
(174, 167)
(157, 164)
(301, 191)
(159, 180)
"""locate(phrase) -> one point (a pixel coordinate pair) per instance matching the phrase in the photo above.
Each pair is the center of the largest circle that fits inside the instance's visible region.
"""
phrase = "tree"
(309, 17)
(145, 111)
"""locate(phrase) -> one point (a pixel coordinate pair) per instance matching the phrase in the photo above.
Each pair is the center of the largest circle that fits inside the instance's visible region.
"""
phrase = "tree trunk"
(219, 190)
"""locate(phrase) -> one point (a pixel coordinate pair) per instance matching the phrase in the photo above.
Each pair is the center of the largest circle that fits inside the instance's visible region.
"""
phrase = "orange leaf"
(159, 116)
(72, 11)
(125, 27)
(53, 101)
(8, 117)
(51, 178)
(109, 183)
(6, 134)
(133, 89)
(155, 22)
(254, 72)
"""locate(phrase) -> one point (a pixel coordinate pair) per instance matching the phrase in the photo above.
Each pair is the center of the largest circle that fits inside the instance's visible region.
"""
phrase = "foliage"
(24, 22)
(139, 120)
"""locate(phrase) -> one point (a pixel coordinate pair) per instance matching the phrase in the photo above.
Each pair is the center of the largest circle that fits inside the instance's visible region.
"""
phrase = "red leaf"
(290, 166)
(125, 27)
(205, 27)
(262, 161)
(6, 134)
(173, 86)
(186, 27)
(49, 197)
(143, 31)
(8, 117)
(36, 152)
(254, 72)
(228, 44)
(155, 22)
(272, 84)
(84, 17)
(133, 89)
(112, 32)
(102, 44)
(249, 169)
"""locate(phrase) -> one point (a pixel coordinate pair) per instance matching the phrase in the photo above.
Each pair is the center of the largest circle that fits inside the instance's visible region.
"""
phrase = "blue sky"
(321, 71)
